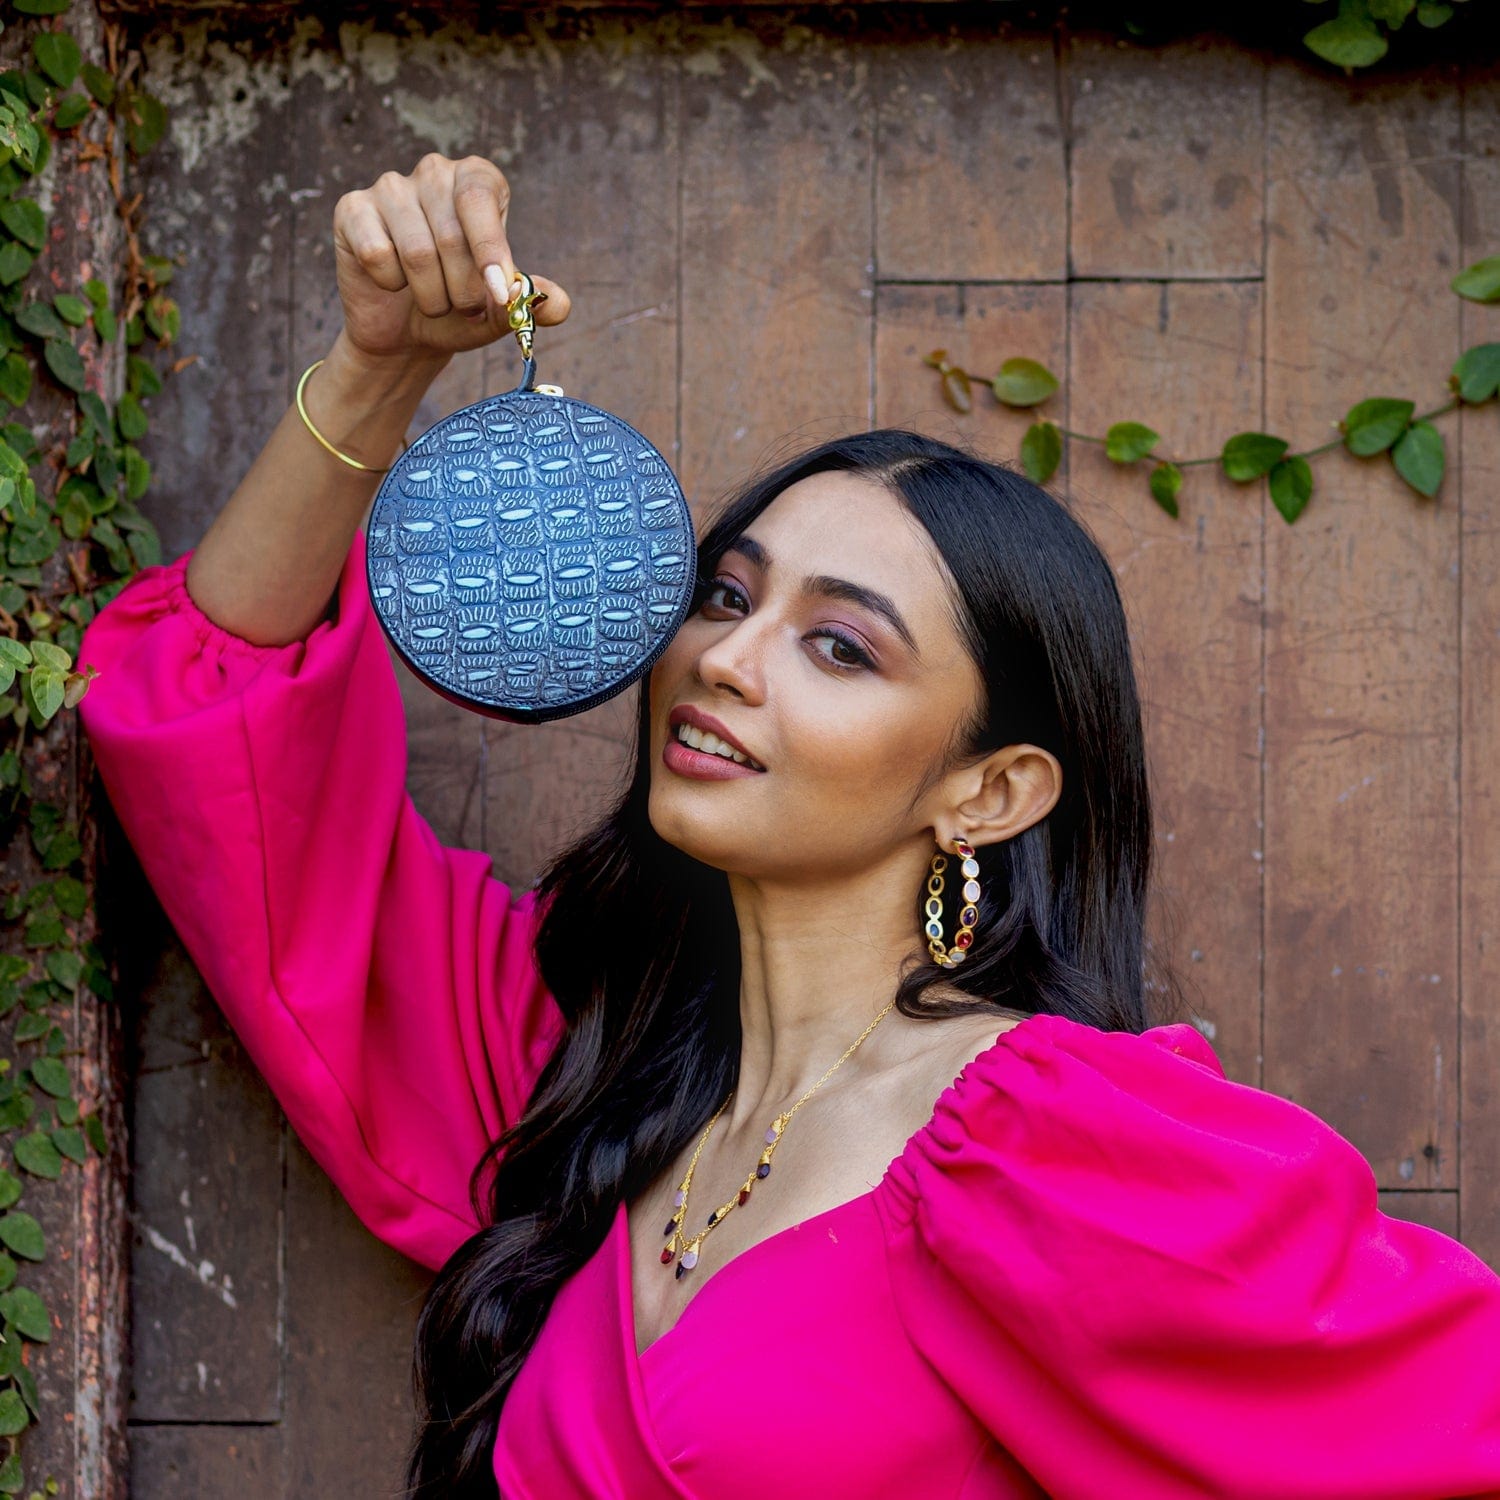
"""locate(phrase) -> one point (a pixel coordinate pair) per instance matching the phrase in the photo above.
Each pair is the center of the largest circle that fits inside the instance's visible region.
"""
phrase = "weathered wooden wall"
(764, 223)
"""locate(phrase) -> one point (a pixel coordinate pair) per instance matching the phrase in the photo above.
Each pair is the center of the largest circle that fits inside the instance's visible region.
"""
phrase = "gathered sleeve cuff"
(1146, 1279)
(383, 983)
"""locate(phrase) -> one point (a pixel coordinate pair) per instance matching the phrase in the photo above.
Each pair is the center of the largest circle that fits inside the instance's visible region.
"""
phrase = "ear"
(1000, 796)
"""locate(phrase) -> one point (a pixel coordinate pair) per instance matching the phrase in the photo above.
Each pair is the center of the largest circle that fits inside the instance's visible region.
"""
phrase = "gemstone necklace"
(689, 1247)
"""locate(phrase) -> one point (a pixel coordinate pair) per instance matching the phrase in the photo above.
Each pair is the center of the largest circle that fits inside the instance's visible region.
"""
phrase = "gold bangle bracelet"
(353, 463)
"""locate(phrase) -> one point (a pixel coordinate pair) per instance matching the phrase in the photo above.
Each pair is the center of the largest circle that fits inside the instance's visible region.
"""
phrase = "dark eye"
(722, 594)
(846, 653)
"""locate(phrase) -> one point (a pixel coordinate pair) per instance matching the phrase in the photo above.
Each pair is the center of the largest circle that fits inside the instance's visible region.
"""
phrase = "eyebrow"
(836, 588)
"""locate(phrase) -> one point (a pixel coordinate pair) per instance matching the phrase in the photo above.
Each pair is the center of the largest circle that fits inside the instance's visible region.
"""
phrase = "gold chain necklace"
(689, 1248)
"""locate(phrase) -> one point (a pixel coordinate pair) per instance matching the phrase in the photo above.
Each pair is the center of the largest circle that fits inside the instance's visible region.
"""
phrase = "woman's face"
(827, 650)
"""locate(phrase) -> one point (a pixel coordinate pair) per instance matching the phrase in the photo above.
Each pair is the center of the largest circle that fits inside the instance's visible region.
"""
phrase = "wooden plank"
(970, 179)
(1362, 645)
(776, 246)
(206, 1168)
(1166, 165)
(352, 1307)
(206, 1461)
(206, 1134)
(1476, 486)
(1183, 358)
(980, 327)
(1435, 1210)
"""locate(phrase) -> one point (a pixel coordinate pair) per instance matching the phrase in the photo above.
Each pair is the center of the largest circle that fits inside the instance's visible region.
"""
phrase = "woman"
(883, 854)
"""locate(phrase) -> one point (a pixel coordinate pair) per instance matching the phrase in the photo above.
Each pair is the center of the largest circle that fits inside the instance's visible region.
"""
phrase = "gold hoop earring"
(963, 939)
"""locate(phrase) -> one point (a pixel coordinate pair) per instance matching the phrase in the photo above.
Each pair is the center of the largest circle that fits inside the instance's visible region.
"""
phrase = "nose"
(733, 661)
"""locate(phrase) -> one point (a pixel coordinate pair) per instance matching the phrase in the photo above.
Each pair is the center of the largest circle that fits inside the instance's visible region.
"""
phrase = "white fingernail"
(495, 279)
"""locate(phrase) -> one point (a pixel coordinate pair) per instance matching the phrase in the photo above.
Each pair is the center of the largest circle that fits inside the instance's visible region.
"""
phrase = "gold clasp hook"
(518, 312)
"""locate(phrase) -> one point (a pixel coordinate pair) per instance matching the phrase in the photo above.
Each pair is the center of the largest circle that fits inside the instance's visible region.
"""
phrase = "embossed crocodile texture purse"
(530, 555)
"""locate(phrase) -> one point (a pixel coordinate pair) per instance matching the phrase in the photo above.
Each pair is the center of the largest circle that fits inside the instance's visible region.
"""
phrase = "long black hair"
(652, 1039)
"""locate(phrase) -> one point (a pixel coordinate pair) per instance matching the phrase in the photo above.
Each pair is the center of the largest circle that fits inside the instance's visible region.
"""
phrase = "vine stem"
(1188, 463)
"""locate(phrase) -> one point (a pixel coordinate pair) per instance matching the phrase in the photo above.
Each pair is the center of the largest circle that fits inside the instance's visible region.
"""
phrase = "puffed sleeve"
(384, 984)
(1146, 1279)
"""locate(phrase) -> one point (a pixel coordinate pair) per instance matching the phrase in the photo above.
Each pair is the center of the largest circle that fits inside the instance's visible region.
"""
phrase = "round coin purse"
(530, 555)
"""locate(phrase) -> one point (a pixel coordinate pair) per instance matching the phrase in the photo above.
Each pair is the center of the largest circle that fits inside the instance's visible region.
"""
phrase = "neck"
(818, 963)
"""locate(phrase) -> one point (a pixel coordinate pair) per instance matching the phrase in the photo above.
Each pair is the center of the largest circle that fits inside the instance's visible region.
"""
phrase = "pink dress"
(1100, 1268)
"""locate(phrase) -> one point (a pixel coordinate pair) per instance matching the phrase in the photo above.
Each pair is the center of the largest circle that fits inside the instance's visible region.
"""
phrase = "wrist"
(362, 405)
(380, 378)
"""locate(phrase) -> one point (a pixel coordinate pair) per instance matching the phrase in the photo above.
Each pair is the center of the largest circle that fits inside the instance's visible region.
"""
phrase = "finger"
(360, 230)
(406, 221)
(467, 292)
(481, 202)
(555, 308)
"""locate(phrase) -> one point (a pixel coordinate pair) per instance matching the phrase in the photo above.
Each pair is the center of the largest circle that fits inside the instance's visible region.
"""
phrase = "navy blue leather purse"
(530, 555)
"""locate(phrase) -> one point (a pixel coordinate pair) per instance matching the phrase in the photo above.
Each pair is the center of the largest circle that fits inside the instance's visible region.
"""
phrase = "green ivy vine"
(71, 536)
(1379, 425)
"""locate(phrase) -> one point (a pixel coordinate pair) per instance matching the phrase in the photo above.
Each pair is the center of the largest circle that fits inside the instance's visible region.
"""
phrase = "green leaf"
(66, 967)
(14, 651)
(1166, 482)
(1125, 442)
(1480, 282)
(46, 690)
(29, 1028)
(67, 1114)
(42, 7)
(163, 318)
(22, 1234)
(99, 83)
(1023, 382)
(141, 376)
(50, 655)
(12, 1477)
(131, 417)
(137, 474)
(1392, 12)
(72, 110)
(1372, 426)
(69, 1140)
(52, 1074)
(10, 1188)
(93, 1128)
(1418, 458)
(38, 318)
(1291, 486)
(65, 363)
(38, 1155)
(71, 309)
(31, 543)
(57, 55)
(105, 325)
(1347, 42)
(1041, 451)
(74, 514)
(15, 263)
(14, 1417)
(1248, 455)
(15, 378)
(22, 1307)
(1478, 372)
(1433, 13)
(16, 1111)
(24, 220)
(71, 895)
(145, 120)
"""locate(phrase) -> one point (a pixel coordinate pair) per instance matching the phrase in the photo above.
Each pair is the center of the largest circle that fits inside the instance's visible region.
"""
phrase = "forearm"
(268, 565)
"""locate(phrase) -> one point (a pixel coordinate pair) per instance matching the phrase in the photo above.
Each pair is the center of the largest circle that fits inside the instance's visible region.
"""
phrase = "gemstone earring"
(963, 939)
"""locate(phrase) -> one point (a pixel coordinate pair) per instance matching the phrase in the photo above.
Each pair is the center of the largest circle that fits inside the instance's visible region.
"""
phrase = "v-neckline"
(624, 1252)
(625, 1268)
